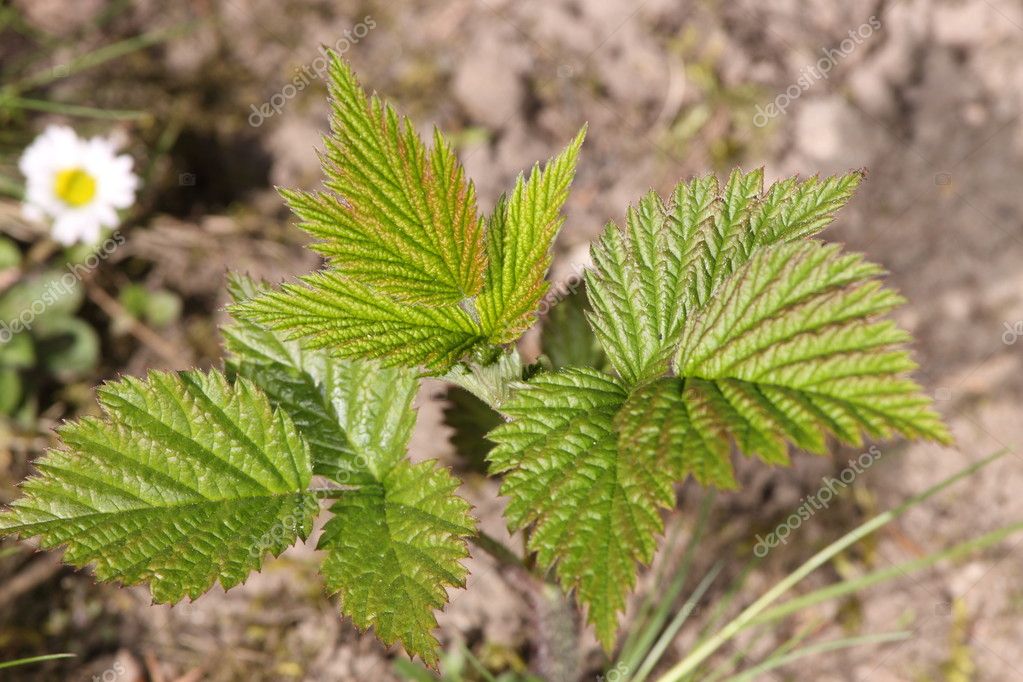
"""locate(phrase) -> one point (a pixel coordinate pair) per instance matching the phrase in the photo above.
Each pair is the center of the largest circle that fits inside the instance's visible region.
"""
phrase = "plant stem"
(140, 331)
(498, 550)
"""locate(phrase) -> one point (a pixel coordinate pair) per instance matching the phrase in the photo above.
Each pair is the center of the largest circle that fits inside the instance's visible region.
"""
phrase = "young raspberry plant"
(716, 320)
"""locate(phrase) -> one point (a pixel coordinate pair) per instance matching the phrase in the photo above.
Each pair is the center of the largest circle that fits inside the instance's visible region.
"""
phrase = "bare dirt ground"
(927, 99)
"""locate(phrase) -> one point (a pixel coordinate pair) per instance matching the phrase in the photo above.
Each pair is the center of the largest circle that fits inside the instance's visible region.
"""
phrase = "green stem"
(906, 568)
(498, 550)
(676, 624)
(824, 647)
(653, 617)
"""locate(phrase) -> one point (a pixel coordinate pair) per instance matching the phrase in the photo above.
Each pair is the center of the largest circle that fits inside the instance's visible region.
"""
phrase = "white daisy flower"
(78, 184)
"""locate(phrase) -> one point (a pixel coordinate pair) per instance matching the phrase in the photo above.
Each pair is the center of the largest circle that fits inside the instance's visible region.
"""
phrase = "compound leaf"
(725, 325)
(396, 540)
(412, 279)
(287, 373)
(185, 481)
(399, 226)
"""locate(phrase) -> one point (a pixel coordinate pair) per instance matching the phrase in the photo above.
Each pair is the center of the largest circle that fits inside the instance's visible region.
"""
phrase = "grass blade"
(856, 584)
(74, 109)
(823, 647)
(637, 646)
(676, 624)
(746, 618)
(101, 55)
(34, 659)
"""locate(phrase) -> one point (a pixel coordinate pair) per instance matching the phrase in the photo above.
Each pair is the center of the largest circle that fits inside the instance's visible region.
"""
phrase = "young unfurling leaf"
(413, 278)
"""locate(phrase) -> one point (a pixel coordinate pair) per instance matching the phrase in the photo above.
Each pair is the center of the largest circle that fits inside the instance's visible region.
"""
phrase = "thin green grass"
(33, 659)
(647, 644)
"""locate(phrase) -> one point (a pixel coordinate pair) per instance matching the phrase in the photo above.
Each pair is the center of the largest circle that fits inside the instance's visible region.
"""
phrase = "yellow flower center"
(74, 186)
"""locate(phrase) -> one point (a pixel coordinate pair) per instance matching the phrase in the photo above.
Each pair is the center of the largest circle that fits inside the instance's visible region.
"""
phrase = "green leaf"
(11, 390)
(53, 293)
(491, 380)
(347, 411)
(796, 350)
(519, 239)
(670, 259)
(10, 254)
(67, 346)
(405, 246)
(674, 420)
(18, 351)
(287, 374)
(185, 481)
(398, 218)
(722, 330)
(412, 279)
(594, 506)
(721, 237)
(158, 308)
(332, 312)
(393, 548)
(792, 210)
(627, 293)
(396, 540)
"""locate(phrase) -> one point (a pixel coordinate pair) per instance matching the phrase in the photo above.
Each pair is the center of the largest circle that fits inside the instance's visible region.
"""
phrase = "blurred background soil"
(928, 103)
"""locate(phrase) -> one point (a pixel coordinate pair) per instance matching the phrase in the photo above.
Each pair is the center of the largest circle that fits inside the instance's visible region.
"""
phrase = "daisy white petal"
(78, 184)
